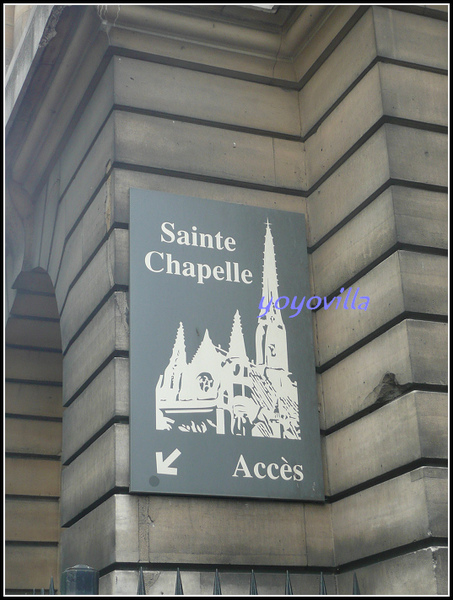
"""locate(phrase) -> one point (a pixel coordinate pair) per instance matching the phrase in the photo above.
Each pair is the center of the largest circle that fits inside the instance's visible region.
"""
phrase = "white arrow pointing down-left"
(163, 466)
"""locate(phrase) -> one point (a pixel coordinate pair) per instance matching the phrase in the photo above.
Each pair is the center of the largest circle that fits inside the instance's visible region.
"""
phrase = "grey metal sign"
(223, 401)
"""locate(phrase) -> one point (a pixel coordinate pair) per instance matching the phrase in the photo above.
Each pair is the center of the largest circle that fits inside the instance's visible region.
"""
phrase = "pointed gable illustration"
(177, 362)
(203, 374)
(237, 343)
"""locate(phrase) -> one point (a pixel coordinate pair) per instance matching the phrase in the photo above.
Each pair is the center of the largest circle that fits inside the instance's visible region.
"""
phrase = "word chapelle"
(158, 262)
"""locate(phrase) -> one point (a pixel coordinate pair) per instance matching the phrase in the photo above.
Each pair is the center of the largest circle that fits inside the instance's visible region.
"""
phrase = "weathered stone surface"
(90, 122)
(399, 511)
(33, 365)
(215, 531)
(348, 186)
(33, 332)
(411, 427)
(423, 572)
(344, 126)
(406, 281)
(414, 94)
(37, 400)
(424, 280)
(399, 214)
(84, 240)
(32, 521)
(32, 436)
(56, 245)
(421, 217)
(208, 151)
(32, 477)
(428, 351)
(89, 350)
(109, 267)
(369, 167)
(412, 38)
(52, 198)
(318, 526)
(352, 55)
(106, 535)
(103, 466)
(234, 532)
(417, 155)
(89, 176)
(105, 398)
(28, 567)
(218, 58)
(34, 305)
(415, 351)
(205, 96)
(123, 180)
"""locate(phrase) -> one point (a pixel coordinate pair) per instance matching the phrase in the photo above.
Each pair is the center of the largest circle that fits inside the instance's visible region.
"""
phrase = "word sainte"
(159, 262)
(283, 302)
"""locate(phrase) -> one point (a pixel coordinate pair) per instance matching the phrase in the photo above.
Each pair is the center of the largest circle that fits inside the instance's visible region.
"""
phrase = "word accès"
(283, 301)
(273, 470)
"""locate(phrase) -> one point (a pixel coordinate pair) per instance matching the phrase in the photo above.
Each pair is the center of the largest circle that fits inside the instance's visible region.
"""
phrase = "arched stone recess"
(33, 435)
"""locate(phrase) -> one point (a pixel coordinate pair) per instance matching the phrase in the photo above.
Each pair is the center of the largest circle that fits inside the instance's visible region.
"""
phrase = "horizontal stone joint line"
(410, 387)
(31, 456)
(392, 553)
(211, 567)
(332, 46)
(209, 179)
(35, 318)
(410, 65)
(201, 68)
(63, 193)
(33, 381)
(115, 288)
(95, 504)
(392, 474)
(392, 181)
(32, 293)
(239, 568)
(117, 420)
(79, 218)
(33, 417)
(33, 498)
(33, 348)
(384, 120)
(38, 544)
(379, 331)
(205, 123)
(105, 237)
(423, 11)
(395, 248)
(112, 355)
(240, 75)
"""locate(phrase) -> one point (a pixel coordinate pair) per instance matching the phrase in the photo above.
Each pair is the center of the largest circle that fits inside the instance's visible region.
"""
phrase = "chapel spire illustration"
(223, 391)
(271, 342)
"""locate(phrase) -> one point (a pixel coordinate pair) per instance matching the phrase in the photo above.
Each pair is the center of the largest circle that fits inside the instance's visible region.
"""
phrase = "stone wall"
(345, 123)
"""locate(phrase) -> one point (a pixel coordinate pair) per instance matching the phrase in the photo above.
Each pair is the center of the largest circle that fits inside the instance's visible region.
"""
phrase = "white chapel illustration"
(223, 391)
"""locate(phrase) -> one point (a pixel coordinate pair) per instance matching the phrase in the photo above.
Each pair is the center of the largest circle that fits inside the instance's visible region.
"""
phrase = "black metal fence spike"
(217, 589)
(288, 586)
(51, 587)
(355, 586)
(141, 583)
(253, 588)
(322, 586)
(178, 589)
